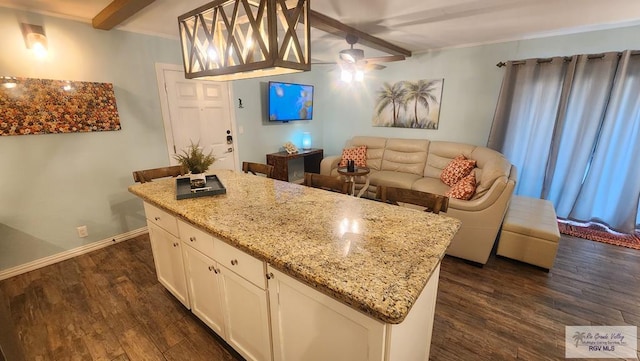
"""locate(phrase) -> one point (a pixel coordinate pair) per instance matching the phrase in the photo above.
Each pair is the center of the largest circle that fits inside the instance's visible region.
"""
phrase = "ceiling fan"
(356, 56)
(353, 59)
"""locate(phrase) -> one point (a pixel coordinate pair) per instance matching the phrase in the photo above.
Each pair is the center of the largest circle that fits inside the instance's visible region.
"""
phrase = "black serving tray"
(212, 188)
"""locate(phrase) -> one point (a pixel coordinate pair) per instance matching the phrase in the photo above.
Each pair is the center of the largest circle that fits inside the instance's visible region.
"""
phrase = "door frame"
(166, 115)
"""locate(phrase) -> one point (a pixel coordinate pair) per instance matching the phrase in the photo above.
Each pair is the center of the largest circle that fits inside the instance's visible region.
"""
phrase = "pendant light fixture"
(238, 39)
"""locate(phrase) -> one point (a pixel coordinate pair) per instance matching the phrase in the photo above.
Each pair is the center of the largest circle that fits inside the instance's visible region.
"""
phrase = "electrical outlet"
(82, 231)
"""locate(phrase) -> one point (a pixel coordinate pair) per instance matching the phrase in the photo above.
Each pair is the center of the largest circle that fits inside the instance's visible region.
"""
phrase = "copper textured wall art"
(45, 106)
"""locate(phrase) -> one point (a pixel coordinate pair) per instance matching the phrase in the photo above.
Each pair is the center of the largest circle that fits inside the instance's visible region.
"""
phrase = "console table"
(280, 162)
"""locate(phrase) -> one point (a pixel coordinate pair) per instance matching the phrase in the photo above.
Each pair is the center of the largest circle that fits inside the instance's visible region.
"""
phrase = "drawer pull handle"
(270, 275)
(216, 270)
(210, 268)
(192, 239)
(175, 244)
(157, 218)
(234, 262)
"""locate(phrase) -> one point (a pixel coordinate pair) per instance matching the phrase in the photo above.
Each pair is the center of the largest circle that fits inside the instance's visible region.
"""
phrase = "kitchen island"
(372, 264)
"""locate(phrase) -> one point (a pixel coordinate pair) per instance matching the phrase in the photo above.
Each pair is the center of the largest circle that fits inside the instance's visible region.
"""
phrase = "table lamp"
(306, 140)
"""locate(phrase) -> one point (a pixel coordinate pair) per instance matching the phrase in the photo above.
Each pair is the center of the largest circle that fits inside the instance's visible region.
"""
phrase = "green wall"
(52, 183)
(471, 87)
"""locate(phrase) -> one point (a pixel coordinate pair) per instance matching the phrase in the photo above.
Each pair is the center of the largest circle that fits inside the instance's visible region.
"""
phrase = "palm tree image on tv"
(409, 104)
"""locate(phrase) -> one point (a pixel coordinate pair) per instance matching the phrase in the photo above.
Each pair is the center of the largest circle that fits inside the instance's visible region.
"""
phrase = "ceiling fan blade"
(373, 66)
(386, 59)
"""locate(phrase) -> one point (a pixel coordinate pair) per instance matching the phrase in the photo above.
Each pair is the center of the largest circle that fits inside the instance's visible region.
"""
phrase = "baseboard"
(43, 262)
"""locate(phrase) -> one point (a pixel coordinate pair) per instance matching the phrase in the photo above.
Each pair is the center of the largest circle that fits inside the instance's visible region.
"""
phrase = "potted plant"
(194, 159)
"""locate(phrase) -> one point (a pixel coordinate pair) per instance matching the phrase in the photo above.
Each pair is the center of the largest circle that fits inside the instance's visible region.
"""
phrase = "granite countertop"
(373, 256)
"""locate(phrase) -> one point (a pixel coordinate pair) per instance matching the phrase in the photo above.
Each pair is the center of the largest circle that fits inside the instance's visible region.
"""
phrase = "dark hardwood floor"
(108, 305)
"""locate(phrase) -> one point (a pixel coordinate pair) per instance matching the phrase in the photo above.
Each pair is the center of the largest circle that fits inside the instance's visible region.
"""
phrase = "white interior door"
(197, 111)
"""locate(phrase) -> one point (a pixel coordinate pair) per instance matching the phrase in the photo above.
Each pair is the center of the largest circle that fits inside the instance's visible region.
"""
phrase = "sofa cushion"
(375, 149)
(358, 154)
(464, 189)
(405, 155)
(457, 169)
(441, 153)
(430, 185)
(491, 165)
(393, 179)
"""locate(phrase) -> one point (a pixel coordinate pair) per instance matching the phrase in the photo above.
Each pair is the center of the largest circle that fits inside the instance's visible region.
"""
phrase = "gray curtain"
(571, 126)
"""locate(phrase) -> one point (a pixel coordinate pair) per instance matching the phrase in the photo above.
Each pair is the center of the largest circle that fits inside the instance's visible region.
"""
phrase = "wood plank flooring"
(108, 305)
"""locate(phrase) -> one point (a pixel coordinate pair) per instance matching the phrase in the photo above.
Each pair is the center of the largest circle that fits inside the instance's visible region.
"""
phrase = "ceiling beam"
(117, 12)
(333, 26)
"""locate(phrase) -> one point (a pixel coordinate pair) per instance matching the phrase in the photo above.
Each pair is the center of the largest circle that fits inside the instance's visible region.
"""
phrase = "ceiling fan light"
(351, 55)
(346, 76)
(359, 75)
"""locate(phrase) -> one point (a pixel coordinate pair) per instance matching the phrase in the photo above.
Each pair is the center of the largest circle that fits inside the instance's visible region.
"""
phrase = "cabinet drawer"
(196, 238)
(163, 219)
(246, 266)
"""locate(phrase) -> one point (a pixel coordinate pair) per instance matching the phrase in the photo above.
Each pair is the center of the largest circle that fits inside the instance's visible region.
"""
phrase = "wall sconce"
(8, 82)
(35, 39)
(306, 140)
(239, 39)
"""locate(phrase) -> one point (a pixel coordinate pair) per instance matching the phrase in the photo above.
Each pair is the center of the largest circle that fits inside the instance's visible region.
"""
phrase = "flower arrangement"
(194, 159)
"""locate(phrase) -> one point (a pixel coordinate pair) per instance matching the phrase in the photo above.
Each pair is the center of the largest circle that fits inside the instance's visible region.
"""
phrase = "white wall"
(52, 183)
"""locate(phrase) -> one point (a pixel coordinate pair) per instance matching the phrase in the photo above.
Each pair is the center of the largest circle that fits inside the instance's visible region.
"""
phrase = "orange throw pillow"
(457, 169)
(358, 154)
(464, 189)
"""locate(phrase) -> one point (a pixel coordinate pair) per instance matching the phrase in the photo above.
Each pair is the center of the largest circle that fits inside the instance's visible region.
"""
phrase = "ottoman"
(530, 232)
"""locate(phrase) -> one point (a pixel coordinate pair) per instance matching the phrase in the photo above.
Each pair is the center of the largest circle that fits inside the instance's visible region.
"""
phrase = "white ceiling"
(417, 25)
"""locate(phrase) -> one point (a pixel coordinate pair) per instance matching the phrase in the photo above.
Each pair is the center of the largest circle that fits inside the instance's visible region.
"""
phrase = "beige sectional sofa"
(417, 164)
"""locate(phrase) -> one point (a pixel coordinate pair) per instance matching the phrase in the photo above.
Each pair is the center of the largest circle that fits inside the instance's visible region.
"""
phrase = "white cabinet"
(205, 289)
(232, 300)
(246, 316)
(161, 218)
(167, 256)
(266, 315)
(308, 325)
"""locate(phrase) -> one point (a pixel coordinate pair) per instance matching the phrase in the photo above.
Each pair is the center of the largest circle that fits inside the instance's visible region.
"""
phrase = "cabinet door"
(167, 256)
(246, 316)
(204, 289)
(308, 325)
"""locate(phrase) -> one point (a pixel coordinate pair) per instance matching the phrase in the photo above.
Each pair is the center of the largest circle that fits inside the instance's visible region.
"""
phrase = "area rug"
(600, 233)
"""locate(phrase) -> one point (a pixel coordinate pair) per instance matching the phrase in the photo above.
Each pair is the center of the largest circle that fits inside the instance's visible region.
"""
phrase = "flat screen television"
(288, 101)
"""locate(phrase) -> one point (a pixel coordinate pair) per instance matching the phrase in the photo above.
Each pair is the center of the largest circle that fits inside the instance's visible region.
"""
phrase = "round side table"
(351, 176)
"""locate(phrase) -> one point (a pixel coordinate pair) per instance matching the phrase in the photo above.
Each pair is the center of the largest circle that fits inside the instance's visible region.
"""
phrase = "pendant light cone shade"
(239, 39)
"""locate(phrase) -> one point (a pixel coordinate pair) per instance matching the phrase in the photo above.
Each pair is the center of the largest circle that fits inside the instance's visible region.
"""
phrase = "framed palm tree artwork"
(409, 104)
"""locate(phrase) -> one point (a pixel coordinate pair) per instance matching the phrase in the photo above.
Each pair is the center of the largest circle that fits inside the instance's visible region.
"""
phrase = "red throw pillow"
(464, 189)
(457, 169)
(358, 154)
